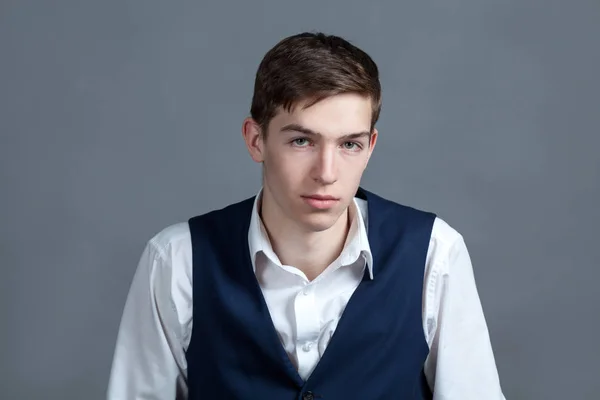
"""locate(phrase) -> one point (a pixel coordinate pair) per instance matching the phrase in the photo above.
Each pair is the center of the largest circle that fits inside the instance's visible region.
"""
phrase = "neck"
(310, 252)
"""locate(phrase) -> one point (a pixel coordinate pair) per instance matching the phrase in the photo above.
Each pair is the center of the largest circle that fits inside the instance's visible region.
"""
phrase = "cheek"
(292, 175)
(353, 167)
(283, 170)
(291, 166)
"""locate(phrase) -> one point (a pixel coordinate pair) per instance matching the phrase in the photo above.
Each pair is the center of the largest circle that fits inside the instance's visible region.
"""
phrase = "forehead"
(334, 115)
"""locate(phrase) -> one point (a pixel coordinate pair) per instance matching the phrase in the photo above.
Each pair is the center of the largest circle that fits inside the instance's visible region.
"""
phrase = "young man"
(315, 288)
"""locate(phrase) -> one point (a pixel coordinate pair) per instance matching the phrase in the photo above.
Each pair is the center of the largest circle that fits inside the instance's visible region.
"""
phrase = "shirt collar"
(357, 242)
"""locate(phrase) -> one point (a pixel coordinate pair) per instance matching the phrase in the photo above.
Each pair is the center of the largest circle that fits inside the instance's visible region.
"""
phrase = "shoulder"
(166, 264)
(444, 235)
(441, 229)
(447, 254)
(392, 210)
(444, 239)
(171, 241)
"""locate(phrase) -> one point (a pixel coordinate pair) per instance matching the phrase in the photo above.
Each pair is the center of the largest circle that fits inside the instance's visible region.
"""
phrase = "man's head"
(312, 126)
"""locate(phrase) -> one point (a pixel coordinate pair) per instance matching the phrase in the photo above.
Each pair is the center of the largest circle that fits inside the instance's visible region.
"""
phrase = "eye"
(300, 142)
(353, 146)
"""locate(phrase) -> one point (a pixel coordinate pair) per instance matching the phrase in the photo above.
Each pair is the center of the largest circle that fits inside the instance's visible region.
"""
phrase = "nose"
(325, 167)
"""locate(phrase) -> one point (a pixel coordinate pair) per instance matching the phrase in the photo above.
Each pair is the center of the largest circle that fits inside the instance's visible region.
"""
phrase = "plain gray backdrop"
(118, 118)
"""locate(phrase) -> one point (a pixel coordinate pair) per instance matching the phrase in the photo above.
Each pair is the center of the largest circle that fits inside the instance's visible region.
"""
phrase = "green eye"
(300, 142)
(352, 146)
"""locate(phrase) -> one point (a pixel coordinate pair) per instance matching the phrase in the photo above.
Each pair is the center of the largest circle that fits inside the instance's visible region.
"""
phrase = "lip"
(320, 197)
(320, 202)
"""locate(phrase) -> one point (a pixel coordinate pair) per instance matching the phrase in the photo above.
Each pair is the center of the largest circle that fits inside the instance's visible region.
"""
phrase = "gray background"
(118, 118)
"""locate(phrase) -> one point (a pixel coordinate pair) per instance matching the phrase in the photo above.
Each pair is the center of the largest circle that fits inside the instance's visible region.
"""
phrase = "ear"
(252, 133)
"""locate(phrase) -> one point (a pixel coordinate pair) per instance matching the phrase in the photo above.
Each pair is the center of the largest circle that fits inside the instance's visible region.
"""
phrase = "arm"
(149, 360)
(461, 365)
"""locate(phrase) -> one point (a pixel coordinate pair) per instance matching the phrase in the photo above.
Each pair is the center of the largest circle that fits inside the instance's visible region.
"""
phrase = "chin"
(319, 222)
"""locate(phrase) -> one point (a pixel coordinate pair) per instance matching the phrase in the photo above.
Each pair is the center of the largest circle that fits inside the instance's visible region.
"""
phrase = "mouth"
(321, 202)
(320, 197)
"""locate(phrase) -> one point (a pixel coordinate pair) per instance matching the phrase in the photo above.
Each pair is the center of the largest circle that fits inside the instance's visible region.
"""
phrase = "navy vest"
(377, 351)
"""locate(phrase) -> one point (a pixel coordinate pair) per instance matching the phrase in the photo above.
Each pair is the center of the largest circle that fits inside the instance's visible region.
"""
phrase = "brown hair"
(312, 66)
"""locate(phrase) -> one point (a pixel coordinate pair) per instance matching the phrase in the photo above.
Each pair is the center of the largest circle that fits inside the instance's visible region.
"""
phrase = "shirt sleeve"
(149, 359)
(461, 364)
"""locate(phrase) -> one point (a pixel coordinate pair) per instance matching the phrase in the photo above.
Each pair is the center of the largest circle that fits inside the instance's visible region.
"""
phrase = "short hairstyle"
(311, 67)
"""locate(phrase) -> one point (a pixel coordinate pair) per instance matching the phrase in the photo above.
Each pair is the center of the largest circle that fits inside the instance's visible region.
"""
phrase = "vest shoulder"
(442, 232)
(232, 209)
(398, 208)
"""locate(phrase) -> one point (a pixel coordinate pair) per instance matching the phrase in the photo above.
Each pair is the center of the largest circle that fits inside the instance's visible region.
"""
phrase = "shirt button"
(307, 346)
(305, 292)
(308, 396)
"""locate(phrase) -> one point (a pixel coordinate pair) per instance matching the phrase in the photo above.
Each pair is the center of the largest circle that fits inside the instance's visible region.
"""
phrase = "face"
(313, 159)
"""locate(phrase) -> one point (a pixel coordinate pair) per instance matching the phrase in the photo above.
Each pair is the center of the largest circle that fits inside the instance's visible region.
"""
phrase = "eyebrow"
(310, 132)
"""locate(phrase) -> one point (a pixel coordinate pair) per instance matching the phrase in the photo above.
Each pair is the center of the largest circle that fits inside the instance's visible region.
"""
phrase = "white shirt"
(156, 326)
